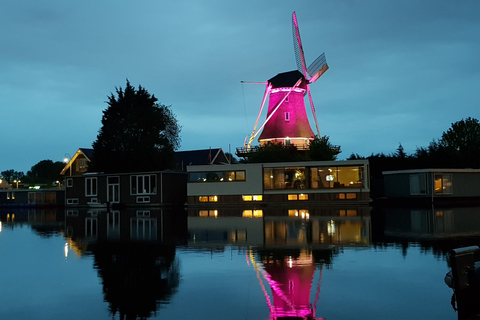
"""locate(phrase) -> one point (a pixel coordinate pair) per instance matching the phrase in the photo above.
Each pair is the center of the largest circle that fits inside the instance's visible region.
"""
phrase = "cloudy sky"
(400, 71)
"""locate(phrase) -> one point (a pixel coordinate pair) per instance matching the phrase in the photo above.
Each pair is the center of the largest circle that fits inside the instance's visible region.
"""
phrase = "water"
(230, 263)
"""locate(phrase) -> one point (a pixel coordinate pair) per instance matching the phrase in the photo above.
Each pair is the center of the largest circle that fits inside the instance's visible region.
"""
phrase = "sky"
(400, 72)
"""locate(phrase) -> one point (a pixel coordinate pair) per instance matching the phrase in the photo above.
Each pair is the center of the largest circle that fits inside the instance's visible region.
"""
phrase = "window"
(216, 176)
(252, 213)
(72, 201)
(208, 213)
(284, 178)
(287, 116)
(90, 187)
(443, 183)
(418, 185)
(69, 182)
(143, 184)
(258, 197)
(347, 196)
(336, 177)
(207, 198)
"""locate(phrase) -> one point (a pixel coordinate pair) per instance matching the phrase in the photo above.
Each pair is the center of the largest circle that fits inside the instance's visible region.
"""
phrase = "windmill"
(287, 119)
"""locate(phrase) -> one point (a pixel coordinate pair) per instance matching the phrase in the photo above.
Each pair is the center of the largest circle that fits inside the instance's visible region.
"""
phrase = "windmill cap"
(288, 79)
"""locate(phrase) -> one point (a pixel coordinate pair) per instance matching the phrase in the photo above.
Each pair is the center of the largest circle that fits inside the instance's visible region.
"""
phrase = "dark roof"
(199, 157)
(288, 79)
(87, 152)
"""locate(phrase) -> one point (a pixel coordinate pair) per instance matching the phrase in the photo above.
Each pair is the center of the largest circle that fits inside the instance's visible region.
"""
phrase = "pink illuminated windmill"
(287, 120)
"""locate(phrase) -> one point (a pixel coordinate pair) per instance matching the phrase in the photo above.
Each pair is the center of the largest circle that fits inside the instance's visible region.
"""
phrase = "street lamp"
(17, 182)
(67, 160)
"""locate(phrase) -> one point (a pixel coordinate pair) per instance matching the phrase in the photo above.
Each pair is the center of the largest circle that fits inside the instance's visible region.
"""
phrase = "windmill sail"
(317, 68)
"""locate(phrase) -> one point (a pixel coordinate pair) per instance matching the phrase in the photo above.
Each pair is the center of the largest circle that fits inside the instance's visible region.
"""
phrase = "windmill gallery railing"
(246, 151)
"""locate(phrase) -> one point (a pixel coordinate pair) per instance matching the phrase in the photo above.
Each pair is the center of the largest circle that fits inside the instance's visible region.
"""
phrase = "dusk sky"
(400, 71)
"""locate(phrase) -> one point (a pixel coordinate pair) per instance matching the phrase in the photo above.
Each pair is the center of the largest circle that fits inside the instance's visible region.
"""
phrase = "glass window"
(197, 176)
(336, 177)
(143, 184)
(247, 198)
(91, 186)
(443, 183)
(240, 175)
(203, 199)
(212, 198)
(293, 197)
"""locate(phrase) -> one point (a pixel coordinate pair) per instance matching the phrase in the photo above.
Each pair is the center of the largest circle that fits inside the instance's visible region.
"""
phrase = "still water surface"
(231, 263)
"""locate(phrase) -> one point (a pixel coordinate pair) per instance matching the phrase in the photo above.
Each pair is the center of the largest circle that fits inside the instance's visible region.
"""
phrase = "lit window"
(351, 196)
(212, 198)
(203, 199)
(258, 197)
(252, 213)
(443, 183)
(303, 196)
(247, 198)
(293, 197)
(208, 213)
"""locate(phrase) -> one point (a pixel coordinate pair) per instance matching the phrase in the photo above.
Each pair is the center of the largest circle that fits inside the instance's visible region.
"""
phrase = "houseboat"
(334, 182)
(441, 186)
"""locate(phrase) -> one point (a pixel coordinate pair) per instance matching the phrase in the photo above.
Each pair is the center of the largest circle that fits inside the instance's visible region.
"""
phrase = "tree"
(11, 175)
(462, 142)
(137, 134)
(45, 172)
(322, 150)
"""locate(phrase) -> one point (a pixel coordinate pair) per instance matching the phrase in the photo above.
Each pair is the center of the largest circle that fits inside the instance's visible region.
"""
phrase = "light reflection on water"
(230, 263)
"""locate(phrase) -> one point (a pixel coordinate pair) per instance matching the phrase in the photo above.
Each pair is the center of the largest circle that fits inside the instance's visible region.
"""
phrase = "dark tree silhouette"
(322, 150)
(137, 134)
(45, 172)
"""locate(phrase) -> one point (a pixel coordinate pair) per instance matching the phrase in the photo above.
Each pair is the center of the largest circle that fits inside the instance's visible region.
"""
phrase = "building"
(126, 189)
(332, 182)
(433, 185)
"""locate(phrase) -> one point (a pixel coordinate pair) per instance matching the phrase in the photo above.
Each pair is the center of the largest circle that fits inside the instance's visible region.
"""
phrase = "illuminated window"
(212, 199)
(443, 183)
(208, 213)
(303, 196)
(252, 197)
(252, 213)
(247, 198)
(240, 175)
(351, 196)
(203, 199)
(293, 197)
(304, 214)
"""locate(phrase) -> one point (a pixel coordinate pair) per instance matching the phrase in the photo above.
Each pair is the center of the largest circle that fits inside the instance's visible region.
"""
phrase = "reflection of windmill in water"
(287, 121)
(290, 277)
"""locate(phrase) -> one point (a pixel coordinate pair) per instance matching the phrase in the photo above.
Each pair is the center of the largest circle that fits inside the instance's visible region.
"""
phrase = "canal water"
(230, 263)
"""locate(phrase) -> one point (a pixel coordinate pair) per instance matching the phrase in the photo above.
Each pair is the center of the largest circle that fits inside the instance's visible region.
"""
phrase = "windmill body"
(287, 121)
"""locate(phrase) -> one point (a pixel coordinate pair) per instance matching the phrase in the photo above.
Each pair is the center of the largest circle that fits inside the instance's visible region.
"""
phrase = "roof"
(288, 79)
(86, 152)
(432, 170)
(200, 157)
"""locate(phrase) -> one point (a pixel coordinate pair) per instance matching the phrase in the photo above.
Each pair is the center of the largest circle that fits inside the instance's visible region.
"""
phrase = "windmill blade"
(297, 46)
(317, 68)
(265, 95)
(313, 110)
